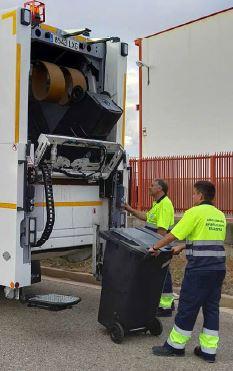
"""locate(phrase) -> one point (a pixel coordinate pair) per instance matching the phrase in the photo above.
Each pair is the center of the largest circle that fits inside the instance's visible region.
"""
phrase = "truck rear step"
(53, 302)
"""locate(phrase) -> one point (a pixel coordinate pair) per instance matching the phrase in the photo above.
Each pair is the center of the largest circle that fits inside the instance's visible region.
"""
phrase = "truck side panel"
(14, 73)
(78, 208)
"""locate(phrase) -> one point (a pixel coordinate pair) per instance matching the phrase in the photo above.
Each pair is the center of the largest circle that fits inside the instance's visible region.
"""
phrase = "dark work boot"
(161, 312)
(206, 357)
(167, 351)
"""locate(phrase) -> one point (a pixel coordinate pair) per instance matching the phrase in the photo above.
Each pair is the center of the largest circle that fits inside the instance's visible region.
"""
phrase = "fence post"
(139, 44)
(140, 184)
(213, 169)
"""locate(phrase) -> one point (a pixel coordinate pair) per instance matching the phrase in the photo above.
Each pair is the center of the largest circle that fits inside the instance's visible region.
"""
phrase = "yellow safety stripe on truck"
(46, 27)
(71, 204)
(124, 111)
(79, 38)
(17, 92)
(12, 15)
(4, 205)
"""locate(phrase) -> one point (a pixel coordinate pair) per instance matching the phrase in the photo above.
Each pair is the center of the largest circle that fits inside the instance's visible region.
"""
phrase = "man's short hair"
(163, 185)
(206, 188)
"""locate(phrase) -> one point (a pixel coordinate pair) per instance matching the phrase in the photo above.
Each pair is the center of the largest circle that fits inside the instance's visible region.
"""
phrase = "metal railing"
(181, 172)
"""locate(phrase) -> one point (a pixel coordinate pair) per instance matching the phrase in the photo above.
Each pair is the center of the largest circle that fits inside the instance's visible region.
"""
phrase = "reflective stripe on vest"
(205, 243)
(205, 254)
(191, 252)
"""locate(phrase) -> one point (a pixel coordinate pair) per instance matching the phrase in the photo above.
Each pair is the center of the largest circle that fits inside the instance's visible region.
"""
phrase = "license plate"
(64, 42)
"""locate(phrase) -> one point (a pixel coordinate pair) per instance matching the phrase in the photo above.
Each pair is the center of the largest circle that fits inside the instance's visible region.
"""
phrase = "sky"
(128, 19)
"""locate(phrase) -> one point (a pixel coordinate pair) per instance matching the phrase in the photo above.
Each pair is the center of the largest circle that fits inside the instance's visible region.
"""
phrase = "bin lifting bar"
(37, 9)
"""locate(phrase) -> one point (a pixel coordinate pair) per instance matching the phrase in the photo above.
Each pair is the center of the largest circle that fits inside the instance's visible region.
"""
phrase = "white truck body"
(187, 105)
(80, 207)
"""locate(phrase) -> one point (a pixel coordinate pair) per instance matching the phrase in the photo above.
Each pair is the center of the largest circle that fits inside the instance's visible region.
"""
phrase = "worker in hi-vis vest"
(160, 219)
(204, 229)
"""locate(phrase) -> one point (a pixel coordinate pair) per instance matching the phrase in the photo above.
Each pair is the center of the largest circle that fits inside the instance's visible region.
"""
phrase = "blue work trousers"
(200, 289)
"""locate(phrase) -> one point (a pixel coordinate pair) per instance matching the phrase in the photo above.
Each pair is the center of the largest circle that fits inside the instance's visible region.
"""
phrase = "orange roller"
(48, 82)
(73, 78)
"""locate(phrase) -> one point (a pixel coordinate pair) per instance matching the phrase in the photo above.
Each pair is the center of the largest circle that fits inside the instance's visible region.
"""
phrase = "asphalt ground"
(35, 339)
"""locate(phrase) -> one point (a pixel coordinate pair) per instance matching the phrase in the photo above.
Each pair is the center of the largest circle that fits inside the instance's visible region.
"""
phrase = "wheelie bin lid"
(137, 239)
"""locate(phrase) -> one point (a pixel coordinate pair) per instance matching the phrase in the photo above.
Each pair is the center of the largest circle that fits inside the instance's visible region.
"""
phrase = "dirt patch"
(177, 269)
(63, 263)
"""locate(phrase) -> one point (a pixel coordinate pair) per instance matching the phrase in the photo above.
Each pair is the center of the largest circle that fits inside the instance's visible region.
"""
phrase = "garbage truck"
(62, 159)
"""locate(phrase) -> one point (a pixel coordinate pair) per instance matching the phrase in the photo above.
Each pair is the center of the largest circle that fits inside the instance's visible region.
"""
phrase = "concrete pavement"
(226, 300)
(34, 339)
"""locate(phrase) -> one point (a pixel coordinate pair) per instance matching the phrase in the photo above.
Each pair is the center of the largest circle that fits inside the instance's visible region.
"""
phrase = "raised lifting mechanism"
(110, 155)
(79, 158)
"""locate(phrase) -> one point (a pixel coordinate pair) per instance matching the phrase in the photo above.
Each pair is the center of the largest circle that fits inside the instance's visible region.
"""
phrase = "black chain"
(47, 179)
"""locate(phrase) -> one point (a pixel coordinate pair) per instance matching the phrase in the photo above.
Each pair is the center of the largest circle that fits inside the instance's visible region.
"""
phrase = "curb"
(69, 275)
(226, 300)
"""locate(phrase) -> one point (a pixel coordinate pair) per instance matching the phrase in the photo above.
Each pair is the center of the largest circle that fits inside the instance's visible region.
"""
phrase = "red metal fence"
(181, 172)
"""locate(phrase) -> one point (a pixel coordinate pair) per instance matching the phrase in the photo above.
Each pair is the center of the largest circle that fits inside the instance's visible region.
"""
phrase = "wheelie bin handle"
(149, 255)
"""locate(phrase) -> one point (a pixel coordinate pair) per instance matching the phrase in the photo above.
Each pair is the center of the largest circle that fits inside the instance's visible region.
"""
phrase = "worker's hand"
(176, 250)
(127, 207)
(153, 251)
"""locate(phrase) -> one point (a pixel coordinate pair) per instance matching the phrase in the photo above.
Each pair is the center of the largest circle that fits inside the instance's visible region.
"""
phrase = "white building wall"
(188, 106)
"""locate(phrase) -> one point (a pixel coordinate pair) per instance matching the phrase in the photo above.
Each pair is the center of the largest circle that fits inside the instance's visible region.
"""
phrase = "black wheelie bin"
(132, 282)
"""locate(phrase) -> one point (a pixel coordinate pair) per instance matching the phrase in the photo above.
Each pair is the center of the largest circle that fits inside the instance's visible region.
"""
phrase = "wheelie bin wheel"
(155, 327)
(117, 333)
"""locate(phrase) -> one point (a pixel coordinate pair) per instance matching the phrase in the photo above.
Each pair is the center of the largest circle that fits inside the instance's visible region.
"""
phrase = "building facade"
(186, 88)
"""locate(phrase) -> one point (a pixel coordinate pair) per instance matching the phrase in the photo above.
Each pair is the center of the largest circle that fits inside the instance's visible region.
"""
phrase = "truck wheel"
(155, 327)
(117, 333)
